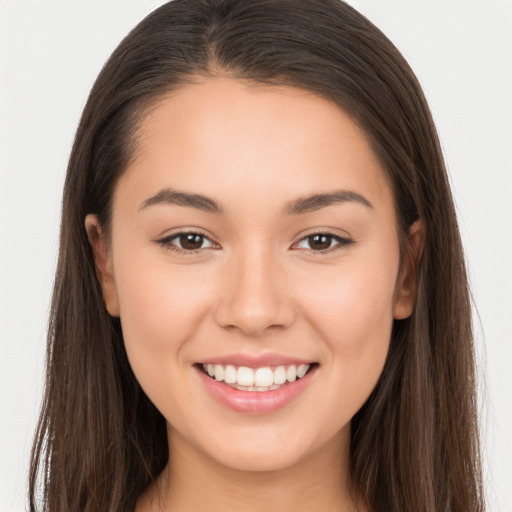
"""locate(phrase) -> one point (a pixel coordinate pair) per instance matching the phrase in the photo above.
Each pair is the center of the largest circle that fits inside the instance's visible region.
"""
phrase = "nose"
(255, 295)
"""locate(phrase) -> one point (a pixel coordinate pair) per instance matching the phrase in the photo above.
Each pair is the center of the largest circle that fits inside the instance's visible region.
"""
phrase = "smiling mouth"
(266, 378)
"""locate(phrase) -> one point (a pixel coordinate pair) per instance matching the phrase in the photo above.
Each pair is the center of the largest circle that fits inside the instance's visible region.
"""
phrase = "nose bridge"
(254, 296)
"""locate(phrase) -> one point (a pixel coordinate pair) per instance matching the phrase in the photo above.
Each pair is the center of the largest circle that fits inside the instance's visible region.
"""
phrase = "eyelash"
(341, 241)
(166, 242)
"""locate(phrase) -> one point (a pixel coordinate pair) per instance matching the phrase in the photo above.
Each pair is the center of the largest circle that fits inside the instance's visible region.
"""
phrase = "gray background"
(50, 53)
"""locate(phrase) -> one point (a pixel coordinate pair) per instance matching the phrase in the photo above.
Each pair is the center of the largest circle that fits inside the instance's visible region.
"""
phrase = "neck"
(193, 481)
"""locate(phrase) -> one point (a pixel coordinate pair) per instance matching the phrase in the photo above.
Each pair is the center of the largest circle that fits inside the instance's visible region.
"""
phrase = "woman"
(260, 299)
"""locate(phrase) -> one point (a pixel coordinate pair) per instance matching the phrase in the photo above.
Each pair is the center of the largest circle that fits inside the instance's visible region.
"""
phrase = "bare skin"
(255, 282)
(198, 483)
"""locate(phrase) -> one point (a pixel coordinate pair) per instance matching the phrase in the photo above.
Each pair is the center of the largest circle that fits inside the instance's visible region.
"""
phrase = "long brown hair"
(414, 446)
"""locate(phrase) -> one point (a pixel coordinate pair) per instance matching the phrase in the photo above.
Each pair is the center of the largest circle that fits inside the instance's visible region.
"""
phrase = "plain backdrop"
(50, 54)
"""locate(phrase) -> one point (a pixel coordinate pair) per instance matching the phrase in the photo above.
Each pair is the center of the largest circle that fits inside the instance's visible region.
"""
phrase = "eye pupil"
(191, 241)
(320, 241)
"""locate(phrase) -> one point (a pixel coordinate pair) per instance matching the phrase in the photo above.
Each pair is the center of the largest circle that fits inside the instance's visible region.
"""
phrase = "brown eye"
(191, 241)
(187, 243)
(320, 242)
(323, 242)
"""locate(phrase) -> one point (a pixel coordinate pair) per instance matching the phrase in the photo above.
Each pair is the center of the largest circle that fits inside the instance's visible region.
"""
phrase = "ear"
(103, 262)
(405, 289)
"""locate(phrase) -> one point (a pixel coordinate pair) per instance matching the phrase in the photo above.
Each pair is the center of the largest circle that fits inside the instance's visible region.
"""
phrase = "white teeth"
(264, 377)
(280, 375)
(302, 370)
(291, 373)
(245, 376)
(219, 372)
(230, 374)
(260, 379)
(255, 388)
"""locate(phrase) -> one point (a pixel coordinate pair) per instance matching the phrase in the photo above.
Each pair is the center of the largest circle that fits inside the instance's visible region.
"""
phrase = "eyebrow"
(296, 207)
(318, 201)
(175, 197)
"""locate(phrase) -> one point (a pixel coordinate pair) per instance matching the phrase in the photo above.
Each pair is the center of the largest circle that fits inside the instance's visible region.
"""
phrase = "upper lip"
(255, 361)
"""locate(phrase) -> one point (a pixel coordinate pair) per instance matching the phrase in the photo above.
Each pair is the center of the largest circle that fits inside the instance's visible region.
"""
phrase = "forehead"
(240, 139)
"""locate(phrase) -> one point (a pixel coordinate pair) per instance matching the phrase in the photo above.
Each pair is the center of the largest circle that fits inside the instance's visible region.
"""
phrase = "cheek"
(353, 312)
(160, 297)
(161, 307)
(352, 300)
(355, 323)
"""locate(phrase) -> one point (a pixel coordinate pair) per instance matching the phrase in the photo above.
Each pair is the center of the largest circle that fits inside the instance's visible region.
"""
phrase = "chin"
(262, 449)
(262, 461)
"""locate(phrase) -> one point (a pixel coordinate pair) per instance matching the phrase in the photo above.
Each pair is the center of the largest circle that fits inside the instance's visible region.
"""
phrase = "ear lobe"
(103, 262)
(406, 285)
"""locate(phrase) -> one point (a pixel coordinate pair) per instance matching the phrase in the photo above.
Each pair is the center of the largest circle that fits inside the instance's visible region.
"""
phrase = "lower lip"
(256, 402)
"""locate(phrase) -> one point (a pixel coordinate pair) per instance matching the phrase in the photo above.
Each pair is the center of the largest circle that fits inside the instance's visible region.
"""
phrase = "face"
(254, 263)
